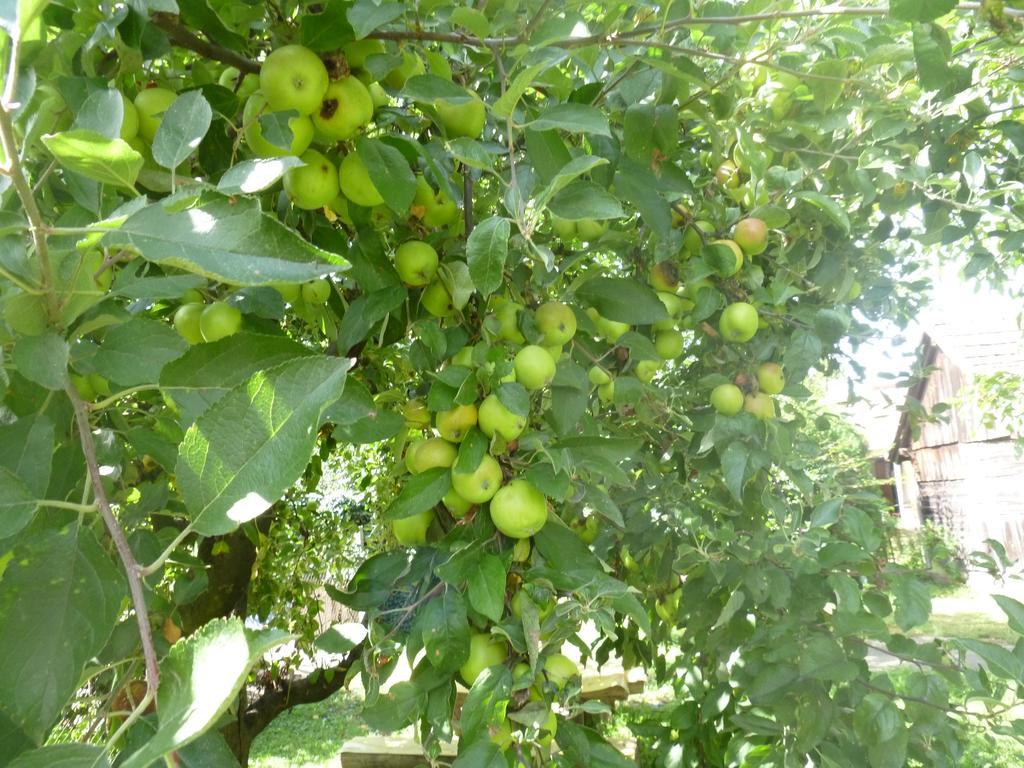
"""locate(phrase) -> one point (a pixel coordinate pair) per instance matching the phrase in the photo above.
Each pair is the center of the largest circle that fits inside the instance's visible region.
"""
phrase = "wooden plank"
(395, 751)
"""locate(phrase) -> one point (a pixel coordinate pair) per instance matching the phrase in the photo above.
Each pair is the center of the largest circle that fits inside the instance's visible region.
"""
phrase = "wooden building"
(957, 472)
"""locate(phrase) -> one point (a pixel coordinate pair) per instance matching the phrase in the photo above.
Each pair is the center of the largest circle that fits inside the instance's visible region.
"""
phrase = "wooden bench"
(401, 750)
(395, 751)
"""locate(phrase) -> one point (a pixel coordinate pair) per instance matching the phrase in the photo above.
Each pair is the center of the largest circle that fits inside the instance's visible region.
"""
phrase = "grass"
(311, 735)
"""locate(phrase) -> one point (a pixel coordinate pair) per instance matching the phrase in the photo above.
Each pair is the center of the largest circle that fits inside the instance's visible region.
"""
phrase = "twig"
(183, 38)
(157, 564)
(99, 405)
(124, 551)
(35, 218)
(532, 23)
(919, 662)
(69, 505)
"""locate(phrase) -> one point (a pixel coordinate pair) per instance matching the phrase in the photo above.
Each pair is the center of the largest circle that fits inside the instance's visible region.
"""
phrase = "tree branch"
(36, 225)
(124, 551)
(183, 38)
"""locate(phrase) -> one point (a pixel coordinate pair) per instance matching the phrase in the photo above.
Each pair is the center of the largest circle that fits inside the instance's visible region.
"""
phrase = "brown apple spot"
(328, 108)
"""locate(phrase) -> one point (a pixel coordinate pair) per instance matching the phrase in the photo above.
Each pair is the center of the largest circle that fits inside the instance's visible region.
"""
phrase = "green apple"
(464, 357)
(664, 276)
(590, 230)
(738, 322)
(192, 296)
(647, 369)
(378, 95)
(598, 375)
(751, 235)
(588, 529)
(668, 606)
(737, 253)
(669, 344)
(854, 292)
(411, 65)
(416, 414)
(501, 734)
(358, 51)
(564, 228)
(355, 182)
(556, 322)
(727, 399)
(466, 119)
(560, 669)
(345, 109)
(728, 175)
(412, 531)
(300, 126)
(495, 418)
(693, 238)
(430, 454)
(290, 292)
(508, 322)
(416, 262)
(130, 120)
(186, 322)
(439, 210)
(481, 484)
(244, 89)
(293, 77)
(316, 292)
(313, 185)
(519, 510)
(534, 367)
(151, 103)
(220, 320)
(760, 404)
(770, 378)
(437, 301)
(454, 424)
(455, 504)
(611, 330)
(606, 392)
(485, 651)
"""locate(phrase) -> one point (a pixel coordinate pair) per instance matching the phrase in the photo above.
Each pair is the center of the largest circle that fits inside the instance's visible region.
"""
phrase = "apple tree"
(549, 278)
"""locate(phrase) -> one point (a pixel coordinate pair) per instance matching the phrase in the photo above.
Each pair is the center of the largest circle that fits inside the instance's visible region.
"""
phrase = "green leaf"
(231, 241)
(932, 53)
(832, 210)
(430, 88)
(470, 152)
(108, 161)
(329, 30)
(17, 503)
(102, 112)
(487, 588)
(139, 286)
(822, 658)
(42, 359)
(622, 299)
(639, 187)
(445, 631)
(1013, 609)
(471, 452)
(920, 10)
(913, 602)
(514, 397)
(366, 15)
(505, 105)
(390, 173)
(876, 719)
(136, 352)
(546, 152)
(482, 753)
(26, 449)
(63, 756)
(566, 174)
(60, 598)
(207, 372)
(803, 351)
(182, 128)
(735, 460)
(242, 455)
(199, 679)
(472, 19)
(366, 311)
(586, 200)
(575, 118)
(486, 702)
(1000, 660)
(486, 251)
(250, 176)
(420, 493)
